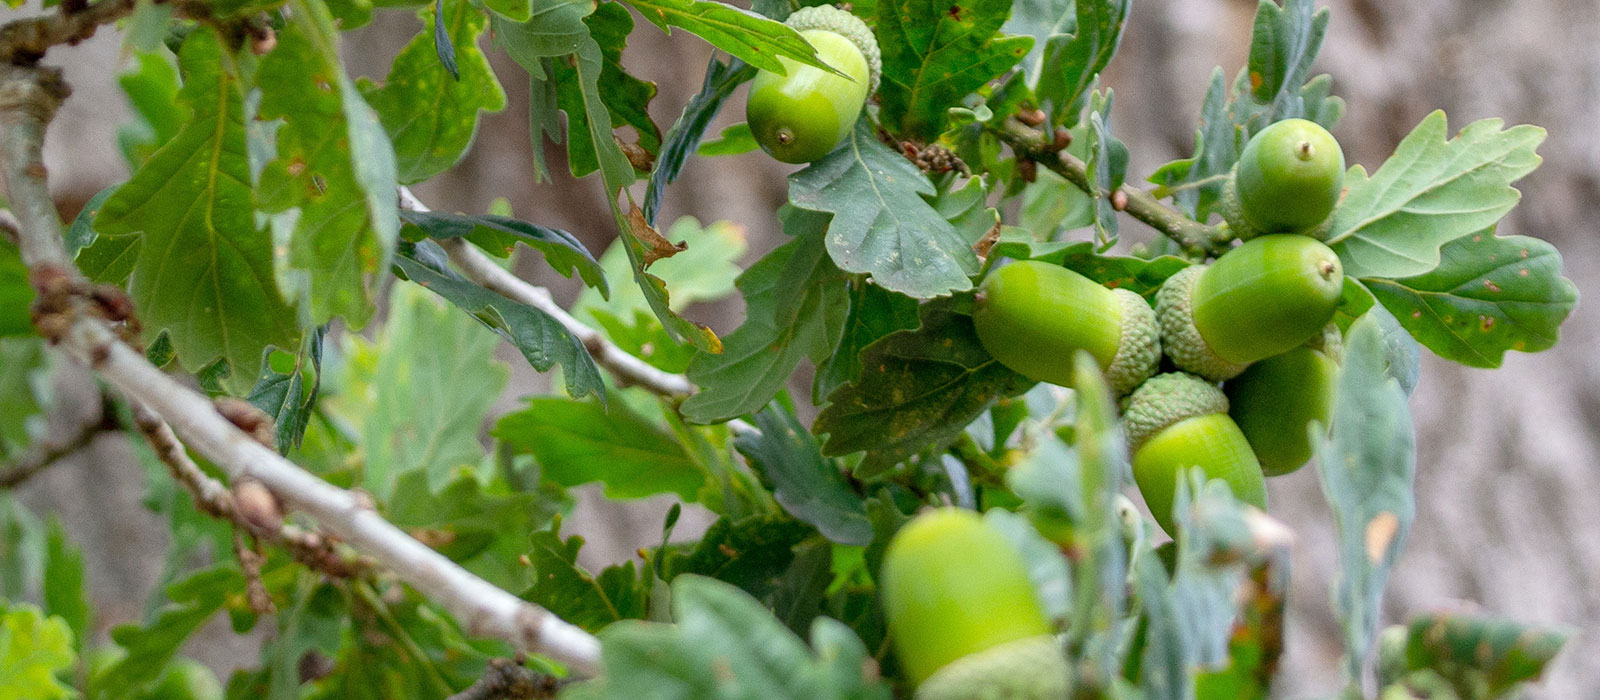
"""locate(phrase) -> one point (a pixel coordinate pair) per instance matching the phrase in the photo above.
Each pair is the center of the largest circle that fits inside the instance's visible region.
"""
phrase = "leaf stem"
(1193, 236)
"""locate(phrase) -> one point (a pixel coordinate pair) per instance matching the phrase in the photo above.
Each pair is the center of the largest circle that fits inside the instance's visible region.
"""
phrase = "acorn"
(963, 614)
(1288, 180)
(1177, 421)
(801, 115)
(1258, 300)
(1033, 317)
(1276, 399)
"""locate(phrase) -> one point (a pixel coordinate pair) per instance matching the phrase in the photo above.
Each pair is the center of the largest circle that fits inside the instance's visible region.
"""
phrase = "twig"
(628, 369)
(25, 41)
(28, 99)
(507, 679)
(477, 266)
(42, 455)
(1193, 236)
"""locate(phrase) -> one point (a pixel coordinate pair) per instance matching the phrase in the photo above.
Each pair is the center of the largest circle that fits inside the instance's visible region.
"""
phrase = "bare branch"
(44, 454)
(507, 679)
(25, 40)
(28, 98)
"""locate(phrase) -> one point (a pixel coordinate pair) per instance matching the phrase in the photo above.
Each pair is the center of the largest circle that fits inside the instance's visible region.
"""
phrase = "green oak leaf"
(16, 293)
(874, 313)
(580, 442)
(1488, 295)
(810, 487)
(34, 649)
(917, 388)
(1107, 164)
(683, 139)
(287, 389)
(794, 308)
(514, 10)
(1139, 275)
(543, 341)
(431, 116)
(1071, 64)
(750, 552)
(204, 270)
(752, 38)
(1430, 192)
(725, 643)
(577, 596)
(194, 600)
(882, 225)
(332, 186)
(626, 98)
(1040, 19)
(1367, 466)
(435, 381)
(499, 235)
(62, 583)
(556, 28)
(483, 527)
(1481, 656)
(151, 82)
(1283, 43)
(935, 54)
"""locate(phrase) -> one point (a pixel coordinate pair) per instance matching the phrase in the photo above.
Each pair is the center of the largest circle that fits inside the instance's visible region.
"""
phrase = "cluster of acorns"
(1256, 320)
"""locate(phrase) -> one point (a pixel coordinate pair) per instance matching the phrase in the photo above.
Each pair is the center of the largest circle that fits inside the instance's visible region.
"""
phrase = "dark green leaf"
(543, 341)
(579, 442)
(882, 225)
(428, 106)
(810, 487)
(1488, 295)
(874, 313)
(935, 54)
(499, 236)
(749, 553)
(918, 389)
(335, 168)
(685, 135)
(727, 644)
(1430, 192)
(1483, 657)
(1367, 465)
(195, 600)
(564, 588)
(16, 293)
(1072, 63)
(64, 594)
(625, 97)
(1283, 44)
(204, 270)
(756, 40)
(780, 327)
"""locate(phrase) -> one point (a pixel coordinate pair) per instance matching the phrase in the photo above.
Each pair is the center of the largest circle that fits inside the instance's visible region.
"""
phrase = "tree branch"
(1194, 237)
(42, 455)
(507, 679)
(477, 266)
(25, 41)
(28, 99)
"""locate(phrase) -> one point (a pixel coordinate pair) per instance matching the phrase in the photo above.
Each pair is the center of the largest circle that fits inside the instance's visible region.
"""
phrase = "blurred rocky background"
(1508, 490)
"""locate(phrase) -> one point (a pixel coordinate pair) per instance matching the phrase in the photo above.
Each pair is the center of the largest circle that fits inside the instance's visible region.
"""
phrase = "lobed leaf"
(935, 54)
(580, 442)
(430, 108)
(794, 308)
(881, 224)
(499, 235)
(1488, 295)
(809, 486)
(1072, 63)
(34, 649)
(576, 596)
(683, 139)
(1430, 192)
(203, 270)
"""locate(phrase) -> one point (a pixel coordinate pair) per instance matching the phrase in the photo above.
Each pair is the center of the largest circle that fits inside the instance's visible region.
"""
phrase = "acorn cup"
(1033, 317)
(964, 617)
(1177, 421)
(1276, 399)
(1288, 180)
(1258, 300)
(802, 115)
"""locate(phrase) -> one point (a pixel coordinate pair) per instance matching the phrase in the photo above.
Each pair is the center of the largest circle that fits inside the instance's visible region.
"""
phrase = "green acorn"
(964, 617)
(800, 116)
(1033, 317)
(1258, 300)
(1276, 399)
(1288, 180)
(1177, 421)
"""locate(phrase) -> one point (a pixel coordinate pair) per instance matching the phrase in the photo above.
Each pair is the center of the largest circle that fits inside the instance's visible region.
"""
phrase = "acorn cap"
(1166, 399)
(1139, 350)
(846, 25)
(1034, 668)
(1233, 210)
(1180, 339)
